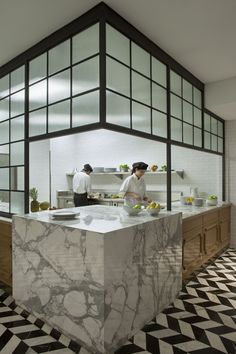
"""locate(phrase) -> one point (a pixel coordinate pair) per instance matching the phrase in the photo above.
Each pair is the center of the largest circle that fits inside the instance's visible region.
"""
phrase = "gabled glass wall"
(12, 135)
(64, 85)
(90, 75)
(136, 83)
(186, 111)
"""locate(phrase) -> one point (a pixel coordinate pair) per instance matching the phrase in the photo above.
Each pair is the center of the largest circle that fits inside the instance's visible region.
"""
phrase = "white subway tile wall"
(109, 149)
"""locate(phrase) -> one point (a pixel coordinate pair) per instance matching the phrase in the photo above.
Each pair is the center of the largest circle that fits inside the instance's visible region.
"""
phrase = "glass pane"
(17, 128)
(38, 68)
(141, 117)
(159, 97)
(214, 142)
(220, 128)
(140, 88)
(59, 116)
(140, 59)
(118, 110)
(37, 122)
(176, 129)
(197, 117)
(118, 77)
(59, 86)
(18, 79)
(117, 45)
(158, 72)
(4, 109)
(38, 95)
(17, 178)
(207, 122)
(207, 140)
(4, 86)
(197, 137)
(159, 124)
(187, 112)
(220, 145)
(17, 153)
(59, 57)
(175, 83)
(86, 76)
(188, 133)
(4, 132)
(18, 103)
(214, 125)
(4, 155)
(187, 91)
(85, 43)
(175, 106)
(85, 109)
(4, 179)
(197, 97)
(17, 202)
(4, 201)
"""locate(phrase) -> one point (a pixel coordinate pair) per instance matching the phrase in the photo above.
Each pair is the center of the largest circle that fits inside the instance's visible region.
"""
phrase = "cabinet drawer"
(225, 213)
(193, 223)
(210, 218)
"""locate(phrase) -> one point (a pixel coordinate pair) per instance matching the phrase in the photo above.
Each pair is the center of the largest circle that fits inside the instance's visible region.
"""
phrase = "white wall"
(39, 168)
(202, 170)
(230, 133)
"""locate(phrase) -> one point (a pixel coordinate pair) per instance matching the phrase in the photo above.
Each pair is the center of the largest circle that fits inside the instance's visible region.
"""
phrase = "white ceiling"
(199, 34)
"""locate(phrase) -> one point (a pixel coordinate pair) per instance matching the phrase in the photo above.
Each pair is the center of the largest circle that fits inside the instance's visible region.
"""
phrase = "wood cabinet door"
(5, 259)
(225, 232)
(211, 239)
(192, 251)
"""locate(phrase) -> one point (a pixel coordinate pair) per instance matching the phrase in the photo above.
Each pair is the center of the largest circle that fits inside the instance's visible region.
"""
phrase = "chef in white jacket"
(134, 186)
(82, 186)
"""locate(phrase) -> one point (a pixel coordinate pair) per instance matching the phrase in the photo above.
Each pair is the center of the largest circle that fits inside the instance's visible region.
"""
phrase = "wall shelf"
(121, 175)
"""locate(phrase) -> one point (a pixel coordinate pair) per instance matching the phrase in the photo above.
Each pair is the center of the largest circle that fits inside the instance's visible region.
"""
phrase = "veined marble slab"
(97, 288)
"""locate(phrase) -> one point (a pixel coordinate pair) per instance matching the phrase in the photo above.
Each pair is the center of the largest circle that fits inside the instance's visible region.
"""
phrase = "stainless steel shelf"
(120, 174)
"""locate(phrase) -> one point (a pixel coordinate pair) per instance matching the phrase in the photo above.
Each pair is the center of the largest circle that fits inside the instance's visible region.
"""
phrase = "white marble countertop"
(190, 210)
(98, 218)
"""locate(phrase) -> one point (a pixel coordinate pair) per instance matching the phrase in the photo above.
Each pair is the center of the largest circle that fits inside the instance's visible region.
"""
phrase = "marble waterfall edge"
(99, 289)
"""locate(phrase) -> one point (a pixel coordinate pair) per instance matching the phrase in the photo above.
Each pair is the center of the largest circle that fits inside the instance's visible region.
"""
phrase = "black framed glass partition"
(97, 72)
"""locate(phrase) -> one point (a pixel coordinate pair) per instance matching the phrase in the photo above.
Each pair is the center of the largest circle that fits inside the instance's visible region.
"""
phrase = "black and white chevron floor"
(202, 320)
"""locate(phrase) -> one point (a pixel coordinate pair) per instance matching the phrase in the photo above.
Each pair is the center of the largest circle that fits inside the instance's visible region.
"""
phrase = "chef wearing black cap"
(134, 186)
(82, 186)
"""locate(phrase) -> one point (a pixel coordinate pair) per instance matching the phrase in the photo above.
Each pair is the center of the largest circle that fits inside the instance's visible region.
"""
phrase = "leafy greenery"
(212, 197)
(124, 165)
(34, 193)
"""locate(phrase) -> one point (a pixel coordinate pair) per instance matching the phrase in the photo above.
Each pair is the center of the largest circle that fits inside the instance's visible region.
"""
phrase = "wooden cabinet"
(224, 226)
(5, 253)
(192, 251)
(203, 237)
(211, 233)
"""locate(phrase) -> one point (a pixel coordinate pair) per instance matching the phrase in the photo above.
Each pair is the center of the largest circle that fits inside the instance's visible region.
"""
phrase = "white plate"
(64, 214)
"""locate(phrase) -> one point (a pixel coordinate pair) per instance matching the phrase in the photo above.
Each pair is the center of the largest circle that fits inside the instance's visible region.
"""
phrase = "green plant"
(34, 193)
(164, 168)
(124, 165)
(212, 197)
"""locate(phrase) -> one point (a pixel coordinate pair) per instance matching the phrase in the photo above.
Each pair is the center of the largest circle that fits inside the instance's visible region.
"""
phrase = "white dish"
(64, 215)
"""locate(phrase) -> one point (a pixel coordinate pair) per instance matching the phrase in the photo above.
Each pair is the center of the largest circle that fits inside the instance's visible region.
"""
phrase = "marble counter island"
(98, 278)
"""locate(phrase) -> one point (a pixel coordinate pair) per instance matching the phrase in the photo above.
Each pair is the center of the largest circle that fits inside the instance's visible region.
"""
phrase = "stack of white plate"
(98, 169)
(109, 169)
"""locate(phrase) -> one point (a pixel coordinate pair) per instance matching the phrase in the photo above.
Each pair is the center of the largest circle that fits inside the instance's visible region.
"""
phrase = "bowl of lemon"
(153, 208)
(132, 210)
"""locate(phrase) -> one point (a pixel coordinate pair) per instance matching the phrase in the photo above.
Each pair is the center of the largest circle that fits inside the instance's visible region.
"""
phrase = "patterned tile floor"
(202, 320)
